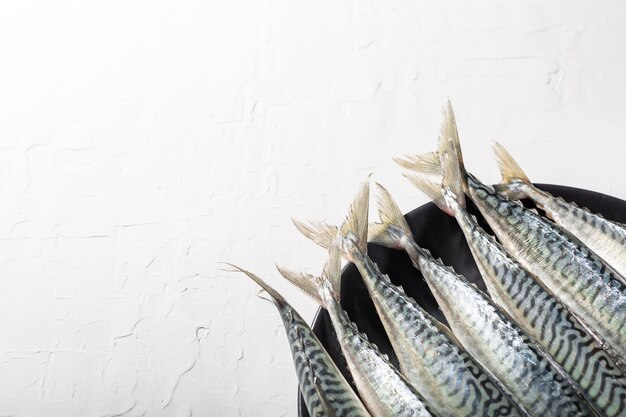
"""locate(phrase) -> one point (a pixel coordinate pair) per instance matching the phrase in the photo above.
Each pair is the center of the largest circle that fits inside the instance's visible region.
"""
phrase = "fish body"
(451, 381)
(538, 312)
(529, 375)
(501, 346)
(384, 390)
(604, 237)
(325, 391)
(572, 272)
(547, 320)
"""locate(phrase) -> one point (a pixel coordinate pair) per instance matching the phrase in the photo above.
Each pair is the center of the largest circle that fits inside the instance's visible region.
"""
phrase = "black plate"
(441, 234)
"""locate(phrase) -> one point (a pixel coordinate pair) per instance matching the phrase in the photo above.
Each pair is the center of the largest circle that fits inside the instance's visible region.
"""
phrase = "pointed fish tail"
(427, 163)
(393, 226)
(317, 287)
(432, 190)
(354, 226)
(320, 233)
(278, 299)
(512, 173)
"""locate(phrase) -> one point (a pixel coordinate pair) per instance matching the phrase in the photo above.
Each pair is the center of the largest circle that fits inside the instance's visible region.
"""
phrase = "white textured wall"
(142, 143)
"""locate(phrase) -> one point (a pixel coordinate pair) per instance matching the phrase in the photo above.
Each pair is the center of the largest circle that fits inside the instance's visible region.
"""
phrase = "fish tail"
(427, 163)
(316, 286)
(511, 172)
(307, 283)
(391, 218)
(357, 219)
(432, 190)
(320, 233)
(276, 297)
(452, 172)
(509, 168)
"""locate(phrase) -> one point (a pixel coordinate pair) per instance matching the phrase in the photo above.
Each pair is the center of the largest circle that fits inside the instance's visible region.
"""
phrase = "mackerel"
(487, 332)
(537, 311)
(431, 358)
(570, 270)
(385, 392)
(606, 238)
(325, 391)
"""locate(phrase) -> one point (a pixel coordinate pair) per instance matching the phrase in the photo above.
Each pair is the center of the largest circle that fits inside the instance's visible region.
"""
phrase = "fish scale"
(325, 391)
(607, 239)
(446, 375)
(604, 237)
(547, 320)
(384, 390)
(567, 268)
(501, 346)
(376, 375)
(486, 331)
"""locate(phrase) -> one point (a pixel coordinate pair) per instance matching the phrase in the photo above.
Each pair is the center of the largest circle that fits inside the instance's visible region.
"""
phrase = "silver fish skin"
(325, 391)
(604, 237)
(573, 273)
(538, 312)
(529, 374)
(384, 390)
(535, 381)
(451, 381)
(448, 377)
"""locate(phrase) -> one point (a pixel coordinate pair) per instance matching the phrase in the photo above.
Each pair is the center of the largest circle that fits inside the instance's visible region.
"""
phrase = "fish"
(604, 237)
(325, 391)
(451, 381)
(533, 379)
(578, 277)
(383, 389)
(539, 313)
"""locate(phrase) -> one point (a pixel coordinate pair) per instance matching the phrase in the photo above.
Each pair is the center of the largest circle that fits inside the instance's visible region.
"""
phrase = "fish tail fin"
(357, 220)
(450, 131)
(452, 175)
(390, 217)
(275, 295)
(511, 172)
(509, 168)
(317, 286)
(432, 190)
(427, 163)
(320, 233)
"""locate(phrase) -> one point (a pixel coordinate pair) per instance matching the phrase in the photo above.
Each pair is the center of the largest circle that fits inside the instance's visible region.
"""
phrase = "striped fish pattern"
(448, 377)
(544, 318)
(605, 238)
(450, 380)
(574, 274)
(325, 391)
(602, 236)
(323, 387)
(514, 358)
(374, 374)
(384, 390)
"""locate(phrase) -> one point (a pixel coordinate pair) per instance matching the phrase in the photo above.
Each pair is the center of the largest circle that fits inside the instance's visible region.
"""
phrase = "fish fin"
(305, 282)
(390, 215)
(450, 131)
(314, 285)
(332, 268)
(432, 190)
(509, 168)
(357, 219)
(452, 180)
(276, 297)
(512, 173)
(319, 232)
(427, 163)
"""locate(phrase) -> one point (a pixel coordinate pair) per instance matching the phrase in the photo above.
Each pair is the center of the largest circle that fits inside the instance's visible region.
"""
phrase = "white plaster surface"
(143, 143)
